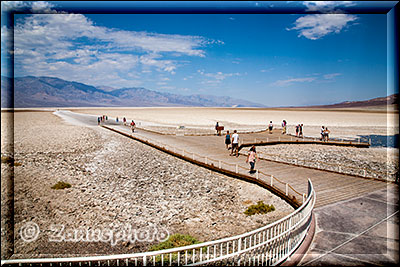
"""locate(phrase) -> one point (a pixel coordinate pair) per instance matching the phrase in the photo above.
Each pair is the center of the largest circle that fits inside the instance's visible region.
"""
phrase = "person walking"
(283, 127)
(270, 127)
(227, 139)
(327, 132)
(301, 130)
(98, 120)
(297, 130)
(218, 129)
(133, 126)
(323, 133)
(251, 158)
(235, 143)
(124, 120)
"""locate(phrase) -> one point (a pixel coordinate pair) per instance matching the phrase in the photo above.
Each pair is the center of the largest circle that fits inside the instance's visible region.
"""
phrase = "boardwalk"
(357, 218)
(330, 187)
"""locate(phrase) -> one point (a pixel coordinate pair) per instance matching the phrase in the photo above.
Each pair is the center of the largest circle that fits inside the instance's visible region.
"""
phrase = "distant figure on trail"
(297, 129)
(323, 133)
(116, 119)
(327, 132)
(283, 127)
(124, 120)
(301, 130)
(251, 158)
(270, 126)
(235, 143)
(98, 120)
(133, 126)
(216, 128)
(227, 139)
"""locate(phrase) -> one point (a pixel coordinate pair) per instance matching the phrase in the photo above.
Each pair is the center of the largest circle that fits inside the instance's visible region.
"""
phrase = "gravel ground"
(117, 185)
(378, 162)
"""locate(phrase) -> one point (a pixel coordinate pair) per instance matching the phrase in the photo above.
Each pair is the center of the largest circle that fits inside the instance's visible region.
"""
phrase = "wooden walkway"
(330, 187)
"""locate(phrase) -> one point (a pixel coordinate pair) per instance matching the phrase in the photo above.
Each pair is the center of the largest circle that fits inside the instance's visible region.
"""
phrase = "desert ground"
(118, 183)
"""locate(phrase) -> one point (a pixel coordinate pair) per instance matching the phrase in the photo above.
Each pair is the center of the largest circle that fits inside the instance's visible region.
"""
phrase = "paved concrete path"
(357, 218)
(362, 231)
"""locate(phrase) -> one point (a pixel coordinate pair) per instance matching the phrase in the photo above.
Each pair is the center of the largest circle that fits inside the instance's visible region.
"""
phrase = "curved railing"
(268, 245)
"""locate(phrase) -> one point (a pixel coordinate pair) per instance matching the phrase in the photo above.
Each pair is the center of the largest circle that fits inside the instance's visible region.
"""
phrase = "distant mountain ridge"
(379, 101)
(54, 92)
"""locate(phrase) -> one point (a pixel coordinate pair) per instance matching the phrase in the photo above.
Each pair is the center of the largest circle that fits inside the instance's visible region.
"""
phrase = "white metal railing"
(272, 180)
(336, 167)
(268, 245)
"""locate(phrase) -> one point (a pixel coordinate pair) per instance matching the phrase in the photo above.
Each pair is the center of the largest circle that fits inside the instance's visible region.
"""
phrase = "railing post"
(365, 172)
(144, 260)
(257, 174)
(272, 178)
(219, 164)
(287, 189)
(237, 168)
(205, 160)
(183, 152)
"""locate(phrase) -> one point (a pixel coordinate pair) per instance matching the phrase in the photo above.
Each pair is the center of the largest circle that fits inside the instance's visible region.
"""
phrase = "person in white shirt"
(235, 143)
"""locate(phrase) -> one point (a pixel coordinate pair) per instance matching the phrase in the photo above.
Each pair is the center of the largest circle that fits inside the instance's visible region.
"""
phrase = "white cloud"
(326, 6)
(315, 77)
(31, 6)
(215, 78)
(219, 76)
(42, 7)
(331, 76)
(316, 26)
(154, 61)
(71, 46)
(288, 82)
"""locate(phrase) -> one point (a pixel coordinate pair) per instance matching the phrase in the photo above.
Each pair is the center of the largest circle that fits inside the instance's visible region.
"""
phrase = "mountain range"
(379, 101)
(54, 92)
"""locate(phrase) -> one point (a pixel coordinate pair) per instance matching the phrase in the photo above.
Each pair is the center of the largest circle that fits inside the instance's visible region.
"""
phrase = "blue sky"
(271, 59)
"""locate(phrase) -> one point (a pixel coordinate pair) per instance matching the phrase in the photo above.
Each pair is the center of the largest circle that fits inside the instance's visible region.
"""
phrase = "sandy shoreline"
(117, 183)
